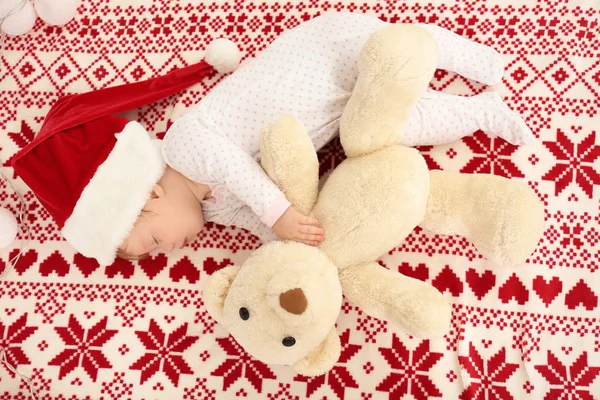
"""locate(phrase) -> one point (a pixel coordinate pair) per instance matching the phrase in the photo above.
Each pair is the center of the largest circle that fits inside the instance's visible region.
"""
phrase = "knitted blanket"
(139, 330)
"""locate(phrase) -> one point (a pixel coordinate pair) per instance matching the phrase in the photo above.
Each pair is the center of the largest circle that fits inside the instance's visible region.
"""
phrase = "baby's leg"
(442, 118)
(466, 57)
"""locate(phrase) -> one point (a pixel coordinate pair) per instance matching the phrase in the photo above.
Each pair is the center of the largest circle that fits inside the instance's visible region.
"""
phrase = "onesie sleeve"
(245, 218)
(210, 158)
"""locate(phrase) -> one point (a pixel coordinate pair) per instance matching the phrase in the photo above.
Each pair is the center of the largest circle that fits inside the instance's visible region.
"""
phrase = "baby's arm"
(212, 158)
(246, 219)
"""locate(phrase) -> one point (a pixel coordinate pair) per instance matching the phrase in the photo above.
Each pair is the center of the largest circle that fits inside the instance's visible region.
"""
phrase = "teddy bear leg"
(290, 159)
(504, 219)
(467, 58)
(415, 306)
(395, 66)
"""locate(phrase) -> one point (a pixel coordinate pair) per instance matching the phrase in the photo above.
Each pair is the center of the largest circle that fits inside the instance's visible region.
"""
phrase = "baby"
(213, 151)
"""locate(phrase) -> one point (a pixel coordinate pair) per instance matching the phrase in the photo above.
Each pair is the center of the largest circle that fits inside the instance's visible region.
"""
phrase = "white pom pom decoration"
(56, 12)
(9, 6)
(21, 21)
(223, 55)
(8, 228)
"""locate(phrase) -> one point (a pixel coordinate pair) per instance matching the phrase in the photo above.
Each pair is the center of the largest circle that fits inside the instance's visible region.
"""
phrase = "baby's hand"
(293, 225)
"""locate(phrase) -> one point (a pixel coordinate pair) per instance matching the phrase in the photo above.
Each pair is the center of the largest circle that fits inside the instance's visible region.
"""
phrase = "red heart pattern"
(547, 291)
(152, 266)
(211, 266)
(120, 266)
(448, 280)
(26, 260)
(184, 268)
(86, 265)
(581, 294)
(55, 263)
(420, 272)
(480, 284)
(513, 288)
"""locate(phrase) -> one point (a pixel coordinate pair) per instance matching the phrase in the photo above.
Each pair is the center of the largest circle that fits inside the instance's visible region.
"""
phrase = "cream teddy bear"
(282, 303)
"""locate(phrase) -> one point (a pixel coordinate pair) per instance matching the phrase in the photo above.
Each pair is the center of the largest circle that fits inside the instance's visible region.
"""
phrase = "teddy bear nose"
(293, 301)
(288, 341)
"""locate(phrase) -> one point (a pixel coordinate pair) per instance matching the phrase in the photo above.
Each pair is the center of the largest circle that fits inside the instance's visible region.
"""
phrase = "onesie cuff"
(279, 206)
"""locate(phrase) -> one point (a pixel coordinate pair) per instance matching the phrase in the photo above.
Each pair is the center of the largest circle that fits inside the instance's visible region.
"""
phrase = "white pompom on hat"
(8, 228)
(20, 21)
(18, 17)
(56, 12)
(223, 55)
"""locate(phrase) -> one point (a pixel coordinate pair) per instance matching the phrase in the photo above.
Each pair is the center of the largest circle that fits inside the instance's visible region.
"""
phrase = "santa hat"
(94, 171)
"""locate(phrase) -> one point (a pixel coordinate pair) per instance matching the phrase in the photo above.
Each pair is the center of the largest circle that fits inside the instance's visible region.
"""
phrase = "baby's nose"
(168, 247)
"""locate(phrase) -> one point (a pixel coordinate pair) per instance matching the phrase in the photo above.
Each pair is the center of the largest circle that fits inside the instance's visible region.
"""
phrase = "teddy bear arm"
(290, 160)
(414, 306)
(321, 359)
(215, 290)
(395, 66)
(503, 218)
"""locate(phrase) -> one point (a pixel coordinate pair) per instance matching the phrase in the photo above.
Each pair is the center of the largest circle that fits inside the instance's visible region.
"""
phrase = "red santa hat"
(94, 171)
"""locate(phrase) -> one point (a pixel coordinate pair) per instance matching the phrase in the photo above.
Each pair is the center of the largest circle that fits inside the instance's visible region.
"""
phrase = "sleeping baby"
(213, 151)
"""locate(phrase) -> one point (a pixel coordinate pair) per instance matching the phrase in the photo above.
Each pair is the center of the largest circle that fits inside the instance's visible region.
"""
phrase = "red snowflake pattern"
(574, 163)
(410, 371)
(426, 153)
(163, 352)
(12, 338)
(338, 378)
(492, 156)
(569, 383)
(240, 363)
(83, 348)
(488, 379)
(21, 139)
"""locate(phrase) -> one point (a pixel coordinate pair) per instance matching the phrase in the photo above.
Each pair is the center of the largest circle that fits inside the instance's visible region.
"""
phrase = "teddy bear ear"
(321, 359)
(216, 289)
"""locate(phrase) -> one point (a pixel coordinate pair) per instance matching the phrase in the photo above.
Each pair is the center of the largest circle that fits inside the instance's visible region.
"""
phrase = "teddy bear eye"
(288, 341)
(244, 313)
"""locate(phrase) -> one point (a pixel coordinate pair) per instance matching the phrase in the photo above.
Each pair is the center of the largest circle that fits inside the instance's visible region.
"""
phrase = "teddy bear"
(282, 303)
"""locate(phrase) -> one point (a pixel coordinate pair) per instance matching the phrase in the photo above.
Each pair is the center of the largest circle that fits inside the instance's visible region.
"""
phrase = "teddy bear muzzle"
(293, 301)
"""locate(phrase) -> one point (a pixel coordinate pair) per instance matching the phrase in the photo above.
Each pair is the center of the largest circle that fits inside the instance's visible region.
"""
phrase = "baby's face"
(167, 222)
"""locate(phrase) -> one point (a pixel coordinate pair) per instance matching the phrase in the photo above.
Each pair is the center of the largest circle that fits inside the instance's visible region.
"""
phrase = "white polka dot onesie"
(309, 72)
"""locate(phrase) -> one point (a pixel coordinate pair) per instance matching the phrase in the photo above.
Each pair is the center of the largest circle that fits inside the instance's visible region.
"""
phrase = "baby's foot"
(504, 122)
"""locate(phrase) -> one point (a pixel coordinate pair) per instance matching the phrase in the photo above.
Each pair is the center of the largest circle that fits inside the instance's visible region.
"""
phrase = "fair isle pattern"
(139, 330)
